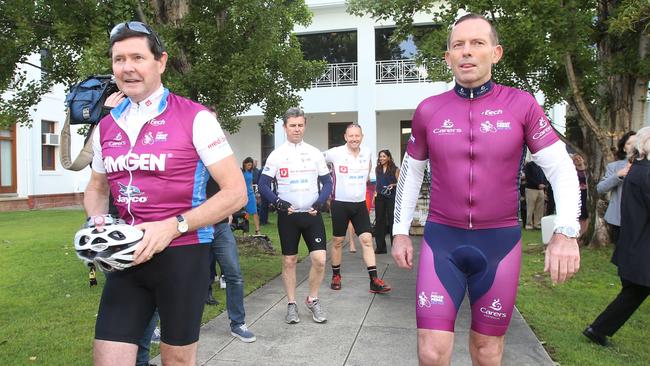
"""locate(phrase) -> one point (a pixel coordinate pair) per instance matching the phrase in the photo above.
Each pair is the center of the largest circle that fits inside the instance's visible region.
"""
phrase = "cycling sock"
(372, 272)
(336, 270)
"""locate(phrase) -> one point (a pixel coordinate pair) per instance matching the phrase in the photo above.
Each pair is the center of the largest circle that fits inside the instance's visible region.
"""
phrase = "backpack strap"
(85, 156)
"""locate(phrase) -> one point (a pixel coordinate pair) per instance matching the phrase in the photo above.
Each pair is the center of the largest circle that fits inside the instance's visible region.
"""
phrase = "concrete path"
(362, 328)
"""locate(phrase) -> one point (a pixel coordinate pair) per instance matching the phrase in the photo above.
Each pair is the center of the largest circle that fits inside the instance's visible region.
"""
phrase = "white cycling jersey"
(349, 173)
(296, 167)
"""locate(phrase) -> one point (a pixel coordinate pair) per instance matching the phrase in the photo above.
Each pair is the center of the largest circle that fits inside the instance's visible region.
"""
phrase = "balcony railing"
(344, 74)
(400, 71)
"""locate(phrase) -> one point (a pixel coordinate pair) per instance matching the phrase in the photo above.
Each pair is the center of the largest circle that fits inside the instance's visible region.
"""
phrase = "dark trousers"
(263, 211)
(384, 208)
(615, 232)
(621, 309)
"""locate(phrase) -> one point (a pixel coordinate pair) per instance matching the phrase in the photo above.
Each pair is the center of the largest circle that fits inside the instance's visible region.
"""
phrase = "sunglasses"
(136, 27)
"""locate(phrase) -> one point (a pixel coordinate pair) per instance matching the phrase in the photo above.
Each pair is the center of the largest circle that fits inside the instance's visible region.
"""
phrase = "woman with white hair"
(632, 250)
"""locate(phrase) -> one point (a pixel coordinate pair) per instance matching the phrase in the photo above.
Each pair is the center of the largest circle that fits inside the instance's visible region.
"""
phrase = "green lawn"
(558, 314)
(47, 309)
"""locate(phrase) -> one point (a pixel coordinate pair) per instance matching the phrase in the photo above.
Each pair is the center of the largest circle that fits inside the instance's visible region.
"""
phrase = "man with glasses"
(155, 152)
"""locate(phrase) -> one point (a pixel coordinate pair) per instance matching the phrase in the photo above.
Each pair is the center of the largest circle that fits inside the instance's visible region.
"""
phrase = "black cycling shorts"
(344, 212)
(291, 227)
(174, 281)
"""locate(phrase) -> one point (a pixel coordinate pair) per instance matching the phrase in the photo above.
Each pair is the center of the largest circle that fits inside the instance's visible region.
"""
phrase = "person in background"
(251, 206)
(612, 181)
(387, 175)
(581, 170)
(535, 185)
(632, 250)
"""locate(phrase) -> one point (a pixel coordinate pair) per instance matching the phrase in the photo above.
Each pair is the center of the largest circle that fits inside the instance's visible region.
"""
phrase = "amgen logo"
(130, 162)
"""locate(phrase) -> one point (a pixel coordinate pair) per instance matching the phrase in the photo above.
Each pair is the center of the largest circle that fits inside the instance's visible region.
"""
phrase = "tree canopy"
(229, 54)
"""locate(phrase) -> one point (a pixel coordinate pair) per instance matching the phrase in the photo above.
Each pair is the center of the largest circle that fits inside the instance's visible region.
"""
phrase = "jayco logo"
(130, 193)
(131, 162)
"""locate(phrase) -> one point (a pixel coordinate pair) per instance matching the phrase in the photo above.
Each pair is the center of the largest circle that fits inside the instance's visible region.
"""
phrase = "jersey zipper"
(471, 157)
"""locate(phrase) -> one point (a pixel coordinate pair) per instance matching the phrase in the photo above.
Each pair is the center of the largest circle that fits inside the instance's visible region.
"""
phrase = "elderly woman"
(613, 182)
(632, 250)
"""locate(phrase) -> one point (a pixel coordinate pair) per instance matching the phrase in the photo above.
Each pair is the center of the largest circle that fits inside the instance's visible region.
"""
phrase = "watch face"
(182, 224)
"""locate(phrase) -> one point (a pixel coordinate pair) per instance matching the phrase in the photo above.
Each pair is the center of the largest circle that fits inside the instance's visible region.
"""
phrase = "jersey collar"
(473, 93)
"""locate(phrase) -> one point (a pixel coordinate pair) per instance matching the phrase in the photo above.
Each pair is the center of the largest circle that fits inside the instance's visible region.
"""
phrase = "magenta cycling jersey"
(475, 141)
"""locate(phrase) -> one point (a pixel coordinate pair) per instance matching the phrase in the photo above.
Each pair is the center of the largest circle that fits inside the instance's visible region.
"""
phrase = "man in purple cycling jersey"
(155, 152)
(474, 139)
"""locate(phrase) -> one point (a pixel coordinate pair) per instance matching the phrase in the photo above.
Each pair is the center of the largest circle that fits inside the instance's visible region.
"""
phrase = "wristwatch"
(182, 226)
(567, 231)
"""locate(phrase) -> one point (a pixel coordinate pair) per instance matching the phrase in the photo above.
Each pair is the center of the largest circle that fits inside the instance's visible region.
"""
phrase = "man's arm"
(231, 197)
(406, 197)
(613, 178)
(562, 253)
(96, 195)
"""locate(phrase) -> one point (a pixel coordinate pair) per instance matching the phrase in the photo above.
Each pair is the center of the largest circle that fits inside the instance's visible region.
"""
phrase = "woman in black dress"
(387, 174)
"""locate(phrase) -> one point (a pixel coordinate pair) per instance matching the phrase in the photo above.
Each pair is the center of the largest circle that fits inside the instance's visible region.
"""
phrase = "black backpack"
(86, 99)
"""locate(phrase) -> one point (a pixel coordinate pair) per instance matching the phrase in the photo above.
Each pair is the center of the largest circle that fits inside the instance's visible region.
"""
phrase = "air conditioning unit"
(51, 139)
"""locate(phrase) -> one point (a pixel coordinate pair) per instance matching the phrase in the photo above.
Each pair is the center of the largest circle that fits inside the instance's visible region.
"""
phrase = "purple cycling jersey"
(161, 175)
(474, 140)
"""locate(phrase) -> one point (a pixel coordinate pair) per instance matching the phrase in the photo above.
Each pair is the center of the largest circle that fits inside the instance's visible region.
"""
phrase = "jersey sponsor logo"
(161, 136)
(117, 141)
(486, 126)
(284, 172)
(412, 139)
(157, 122)
(542, 133)
(217, 142)
(494, 310)
(447, 128)
(148, 102)
(489, 112)
(343, 169)
(131, 194)
(267, 168)
(131, 162)
(148, 138)
(542, 122)
(434, 298)
(503, 125)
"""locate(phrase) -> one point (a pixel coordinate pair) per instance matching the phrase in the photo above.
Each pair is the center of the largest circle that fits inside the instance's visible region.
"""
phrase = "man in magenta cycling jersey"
(474, 138)
(155, 152)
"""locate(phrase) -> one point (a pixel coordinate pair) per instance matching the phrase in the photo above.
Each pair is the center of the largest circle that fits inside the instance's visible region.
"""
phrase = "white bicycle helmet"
(111, 249)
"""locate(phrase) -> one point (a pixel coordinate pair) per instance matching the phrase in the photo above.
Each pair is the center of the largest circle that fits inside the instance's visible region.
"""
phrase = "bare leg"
(485, 350)
(289, 276)
(107, 353)
(317, 271)
(256, 221)
(178, 355)
(368, 249)
(435, 347)
(337, 250)
(352, 247)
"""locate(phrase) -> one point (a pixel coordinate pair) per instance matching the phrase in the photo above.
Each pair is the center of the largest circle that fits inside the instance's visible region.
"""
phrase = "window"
(405, 133)
(333, 47)
(335, 132)
(48, 152)
(404, 50)
(8, 160)
(268, 144)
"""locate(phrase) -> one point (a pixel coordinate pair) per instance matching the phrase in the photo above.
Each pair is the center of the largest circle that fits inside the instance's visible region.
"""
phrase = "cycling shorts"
(291, 227)
(486, 262)
(344, 212)
(174, 280)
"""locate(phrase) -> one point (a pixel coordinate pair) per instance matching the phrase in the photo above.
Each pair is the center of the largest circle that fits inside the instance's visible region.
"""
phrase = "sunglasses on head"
(136, 27)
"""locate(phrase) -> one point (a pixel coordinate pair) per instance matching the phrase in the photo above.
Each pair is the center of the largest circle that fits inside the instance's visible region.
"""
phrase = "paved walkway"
(362, 328)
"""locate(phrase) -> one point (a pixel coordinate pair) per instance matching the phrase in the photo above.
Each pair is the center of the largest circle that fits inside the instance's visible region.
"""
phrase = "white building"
(367, 82)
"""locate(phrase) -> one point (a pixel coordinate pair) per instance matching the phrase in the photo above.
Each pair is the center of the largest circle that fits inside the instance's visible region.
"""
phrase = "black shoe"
(211, 300)
(595, 337)
(380, 251)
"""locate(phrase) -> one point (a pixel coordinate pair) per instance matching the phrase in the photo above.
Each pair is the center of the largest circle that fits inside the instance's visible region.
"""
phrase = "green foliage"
(47, 309)
(535, 36)
(558, 314)
(226, 54)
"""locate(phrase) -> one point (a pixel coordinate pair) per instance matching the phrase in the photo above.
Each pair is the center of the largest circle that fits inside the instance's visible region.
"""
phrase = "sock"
(372, 272)
(336, 270)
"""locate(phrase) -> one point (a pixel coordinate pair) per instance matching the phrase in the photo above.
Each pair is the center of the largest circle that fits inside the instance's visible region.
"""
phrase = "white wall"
(248, 140)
